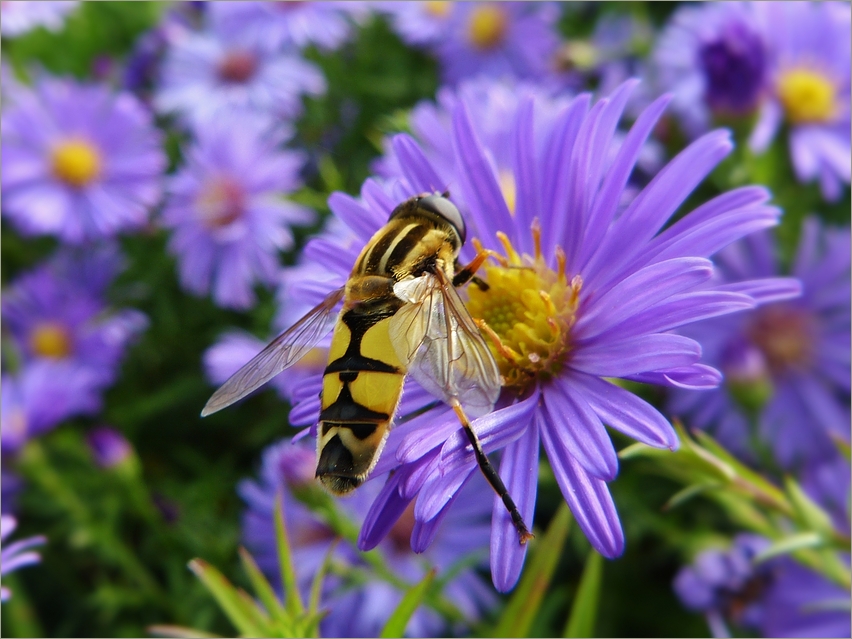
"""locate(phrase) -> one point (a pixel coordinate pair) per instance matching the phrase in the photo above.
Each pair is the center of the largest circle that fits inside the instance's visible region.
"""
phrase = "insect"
(400, 315)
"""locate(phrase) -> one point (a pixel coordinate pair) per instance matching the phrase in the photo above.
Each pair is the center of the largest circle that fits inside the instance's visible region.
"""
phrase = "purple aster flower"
(797, 352)
(518, 39)
(779, 597)
(208, 75)
(18, 554)
(601, 290)
(109, 447)
(57, 313)
(363, 611)
(276, 25)
(40, 396)
(713, 58)
(18, 18)
(79, 161)
(726, 584)
(810, 52)
(827, 482)
(418, 23)
(228, 212)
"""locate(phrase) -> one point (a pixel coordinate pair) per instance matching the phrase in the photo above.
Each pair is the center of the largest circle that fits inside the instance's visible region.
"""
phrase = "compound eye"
(443, 208)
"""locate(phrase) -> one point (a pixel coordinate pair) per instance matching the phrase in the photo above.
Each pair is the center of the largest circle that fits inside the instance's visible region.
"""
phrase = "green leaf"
(244, 615)
(686, 494)
(316, 585)
(262, 588)
(791, 544)
(584, 612)
(395, 627)
(520, 612)
(292, 599)
(843, 447)
(811, 516)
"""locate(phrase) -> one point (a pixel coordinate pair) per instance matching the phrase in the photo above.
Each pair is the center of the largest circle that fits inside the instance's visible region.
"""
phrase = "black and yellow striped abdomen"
(362, 385)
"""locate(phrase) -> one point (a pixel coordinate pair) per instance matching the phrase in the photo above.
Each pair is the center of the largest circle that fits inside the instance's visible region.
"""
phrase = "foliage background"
(119, 543)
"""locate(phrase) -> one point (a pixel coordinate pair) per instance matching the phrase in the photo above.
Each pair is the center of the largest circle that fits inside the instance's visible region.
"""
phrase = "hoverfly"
(401, 315)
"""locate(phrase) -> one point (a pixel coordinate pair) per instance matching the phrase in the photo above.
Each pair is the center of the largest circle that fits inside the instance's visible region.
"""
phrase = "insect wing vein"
(284, 351)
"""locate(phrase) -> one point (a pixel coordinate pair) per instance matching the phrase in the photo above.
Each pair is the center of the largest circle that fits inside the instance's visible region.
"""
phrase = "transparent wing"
(445, 352)
(284, 351)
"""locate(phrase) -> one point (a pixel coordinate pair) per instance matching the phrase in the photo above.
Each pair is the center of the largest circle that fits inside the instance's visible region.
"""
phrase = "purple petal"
(520, 468)
(588, 497)
(386, 509)
(577, 428)
(768, 289)
(636, 355)
(525, 169)
(624, 411)
(694, 377)
(437, 492)
(415, 166)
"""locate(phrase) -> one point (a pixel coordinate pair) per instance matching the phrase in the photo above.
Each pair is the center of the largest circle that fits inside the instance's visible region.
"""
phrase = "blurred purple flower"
(41, 395)
(778, 597)
(615, 284)
(17, 18)
(57, 313)
(228, 213)
(18, 554)
(109, 447)
(517, 39)
(810, 83)
(713, 58)
(206, 76)
(362, 612)
(283, 24)
(827, 482)
(418, 23)
(79, 161)
(726, 584)
(800, 349)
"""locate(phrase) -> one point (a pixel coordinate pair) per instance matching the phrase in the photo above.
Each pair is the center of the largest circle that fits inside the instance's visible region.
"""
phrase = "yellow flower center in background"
(76, 162)
(529, 310)
(438, 8)
(50, 339)
(808, 96)
(487, 26)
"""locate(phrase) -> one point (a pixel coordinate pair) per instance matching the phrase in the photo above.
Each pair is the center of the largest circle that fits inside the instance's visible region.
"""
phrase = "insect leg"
(491, 475)
(464, 275)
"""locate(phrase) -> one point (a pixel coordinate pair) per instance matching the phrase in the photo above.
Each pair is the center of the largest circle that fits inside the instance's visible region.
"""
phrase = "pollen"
(221, 203)
(50, 339)
(487, 26)
(808, 96)
(438, 8)
(526, 313)
(76, 162)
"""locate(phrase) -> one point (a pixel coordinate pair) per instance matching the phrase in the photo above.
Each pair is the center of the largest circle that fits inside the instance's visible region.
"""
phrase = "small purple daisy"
(517, 39)
(18, 554)
(79, 161)
(809, 77)
(713, 59)
(793, 355)
(283, 24)
(227, 210)
(418, 23)
(362, 612)
(209, 75)
(601, 290)
(57, 313)
(109, 447)
(17, 18)
(40, 396)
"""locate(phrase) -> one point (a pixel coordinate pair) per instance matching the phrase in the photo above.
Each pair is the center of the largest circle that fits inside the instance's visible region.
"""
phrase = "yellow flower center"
(50, 339)
(580, 55)
(785, 337)
(76, 162)
(528, 310)
(487, 26)
(509, 189)
(221, 203)
(438, 8)
(808, 96)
